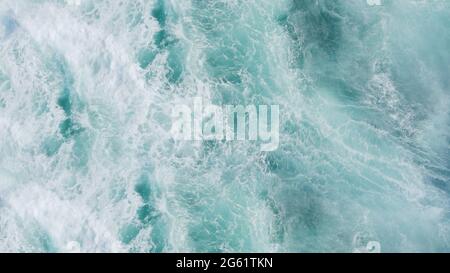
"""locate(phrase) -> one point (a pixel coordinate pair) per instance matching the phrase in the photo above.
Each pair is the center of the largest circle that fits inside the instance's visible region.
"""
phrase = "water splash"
(87, 163)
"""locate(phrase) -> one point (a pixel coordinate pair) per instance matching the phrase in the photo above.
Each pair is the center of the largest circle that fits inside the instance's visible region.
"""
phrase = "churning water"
(87, 162)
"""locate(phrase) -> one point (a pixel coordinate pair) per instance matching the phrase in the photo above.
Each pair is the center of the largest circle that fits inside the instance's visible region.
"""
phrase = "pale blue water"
(86, 158)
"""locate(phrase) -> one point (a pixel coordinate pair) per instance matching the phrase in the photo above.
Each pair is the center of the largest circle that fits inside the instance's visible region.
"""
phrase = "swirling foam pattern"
(86, 159)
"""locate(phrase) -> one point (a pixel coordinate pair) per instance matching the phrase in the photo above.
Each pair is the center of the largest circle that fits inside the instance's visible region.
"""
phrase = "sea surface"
(87, 162)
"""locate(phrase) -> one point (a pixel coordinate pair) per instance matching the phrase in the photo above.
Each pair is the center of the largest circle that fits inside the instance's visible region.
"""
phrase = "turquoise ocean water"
(86, 158)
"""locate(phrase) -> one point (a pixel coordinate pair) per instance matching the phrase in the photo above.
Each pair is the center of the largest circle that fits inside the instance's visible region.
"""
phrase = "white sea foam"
(87, 161)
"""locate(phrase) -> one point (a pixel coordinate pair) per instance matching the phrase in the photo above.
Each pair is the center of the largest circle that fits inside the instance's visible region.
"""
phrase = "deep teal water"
(87, 162)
